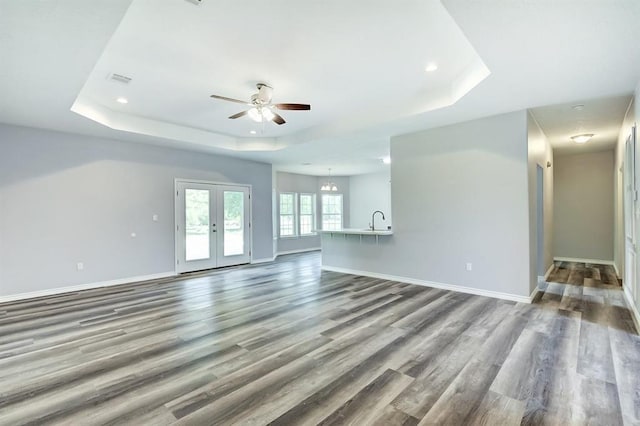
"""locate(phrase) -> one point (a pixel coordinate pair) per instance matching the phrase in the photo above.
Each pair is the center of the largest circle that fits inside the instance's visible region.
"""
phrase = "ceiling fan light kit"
(261, 107)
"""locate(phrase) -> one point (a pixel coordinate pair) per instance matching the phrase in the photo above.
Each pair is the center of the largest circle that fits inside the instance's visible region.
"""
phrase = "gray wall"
(67, 198)
(459, 194)
(618, 210)
(370, 192)
(539, 153)
(291, 182)
(583, 206)
(342, 182)
(625, 247)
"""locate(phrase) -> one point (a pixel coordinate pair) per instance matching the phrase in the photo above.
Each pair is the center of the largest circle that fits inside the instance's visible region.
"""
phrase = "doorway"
(213, 227)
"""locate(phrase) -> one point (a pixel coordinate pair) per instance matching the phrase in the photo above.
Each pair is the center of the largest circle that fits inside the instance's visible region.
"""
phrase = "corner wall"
(539, 154)
(459, 195)
(67, 198)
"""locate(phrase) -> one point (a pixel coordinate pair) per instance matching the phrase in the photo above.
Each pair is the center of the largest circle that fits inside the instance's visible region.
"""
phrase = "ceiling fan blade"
(238, 115)
(224, 98)
(277, 118)
(295, 107)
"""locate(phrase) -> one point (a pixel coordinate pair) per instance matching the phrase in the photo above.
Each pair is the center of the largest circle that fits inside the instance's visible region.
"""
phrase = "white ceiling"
(600, 117)
(360, 64)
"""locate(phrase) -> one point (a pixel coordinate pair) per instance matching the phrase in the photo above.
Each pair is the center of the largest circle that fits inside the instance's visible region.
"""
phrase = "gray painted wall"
(342, 182)
(583, 206)
(370, 192)
(67, 198)
(539, 153)
(459, 194)
(625, 250)
(291, 182)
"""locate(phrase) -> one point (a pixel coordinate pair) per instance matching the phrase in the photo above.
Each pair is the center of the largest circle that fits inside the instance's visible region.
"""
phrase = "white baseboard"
(615, 268)
(545, 277)
(452, 287)
(534, 293)
(581, 260)
(546, 274)
(264, 260)
(280, 253)
(632, 306)
(87, 286)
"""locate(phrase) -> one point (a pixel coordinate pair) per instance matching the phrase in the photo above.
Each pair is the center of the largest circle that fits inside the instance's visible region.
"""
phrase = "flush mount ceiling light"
(386, 160)
(583, 138)
(122, 100)
(329, 186)
(253, 132)
(431, 67)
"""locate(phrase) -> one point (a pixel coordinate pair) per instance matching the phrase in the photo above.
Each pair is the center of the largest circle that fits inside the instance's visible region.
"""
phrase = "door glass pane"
(197, 224)
(233, 223)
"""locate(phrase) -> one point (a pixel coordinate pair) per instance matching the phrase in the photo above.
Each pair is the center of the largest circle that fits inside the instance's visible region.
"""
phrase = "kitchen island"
(345, 248)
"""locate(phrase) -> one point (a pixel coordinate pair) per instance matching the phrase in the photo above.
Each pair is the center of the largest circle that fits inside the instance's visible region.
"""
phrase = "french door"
(212, 225)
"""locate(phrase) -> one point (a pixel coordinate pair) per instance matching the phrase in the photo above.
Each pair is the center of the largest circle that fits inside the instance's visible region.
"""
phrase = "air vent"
(120, 78)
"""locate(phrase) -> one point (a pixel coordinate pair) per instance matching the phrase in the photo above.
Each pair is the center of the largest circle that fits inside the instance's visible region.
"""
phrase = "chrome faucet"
(373, 216)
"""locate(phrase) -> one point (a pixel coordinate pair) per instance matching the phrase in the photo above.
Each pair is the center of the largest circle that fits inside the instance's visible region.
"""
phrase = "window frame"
(341, 214)
(293, 215)
(313, 214)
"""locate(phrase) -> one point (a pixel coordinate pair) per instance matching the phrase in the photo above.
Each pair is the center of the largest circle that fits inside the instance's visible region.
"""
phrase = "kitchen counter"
(353, 231)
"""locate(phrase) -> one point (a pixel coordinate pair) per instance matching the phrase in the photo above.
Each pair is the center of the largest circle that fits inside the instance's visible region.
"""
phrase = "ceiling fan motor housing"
(265, 93)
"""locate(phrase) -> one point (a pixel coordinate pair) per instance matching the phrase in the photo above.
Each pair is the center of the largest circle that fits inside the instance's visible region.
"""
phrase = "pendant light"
(329, 186)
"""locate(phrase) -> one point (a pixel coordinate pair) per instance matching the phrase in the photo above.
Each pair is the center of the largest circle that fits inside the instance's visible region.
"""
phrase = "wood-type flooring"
(286, 344)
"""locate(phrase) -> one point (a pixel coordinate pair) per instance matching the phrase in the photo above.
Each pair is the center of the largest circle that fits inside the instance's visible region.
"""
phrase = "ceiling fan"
(261, 107)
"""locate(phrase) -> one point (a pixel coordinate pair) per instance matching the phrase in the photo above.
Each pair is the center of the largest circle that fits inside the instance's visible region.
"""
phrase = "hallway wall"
(625, 250)
(539, 154)
(583, 206)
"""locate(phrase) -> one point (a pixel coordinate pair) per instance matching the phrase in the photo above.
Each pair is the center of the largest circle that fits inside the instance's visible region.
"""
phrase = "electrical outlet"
(469, 266)
(80, 266)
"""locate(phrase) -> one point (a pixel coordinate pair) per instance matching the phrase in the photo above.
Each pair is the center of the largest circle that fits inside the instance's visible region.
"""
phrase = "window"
(331, 212)
(287, 215)
(307, 214)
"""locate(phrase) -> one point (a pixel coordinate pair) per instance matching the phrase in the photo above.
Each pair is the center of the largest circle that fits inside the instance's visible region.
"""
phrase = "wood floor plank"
(496, 409)
(594, 359)
(370, 403)
(625, 349)
(460, 402)
(286, 343)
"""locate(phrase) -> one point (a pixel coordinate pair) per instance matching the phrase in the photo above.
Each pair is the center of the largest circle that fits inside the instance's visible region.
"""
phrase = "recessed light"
(431, 67)
(386, 160)
(584, 138)
(122, 100)
(253, 132)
